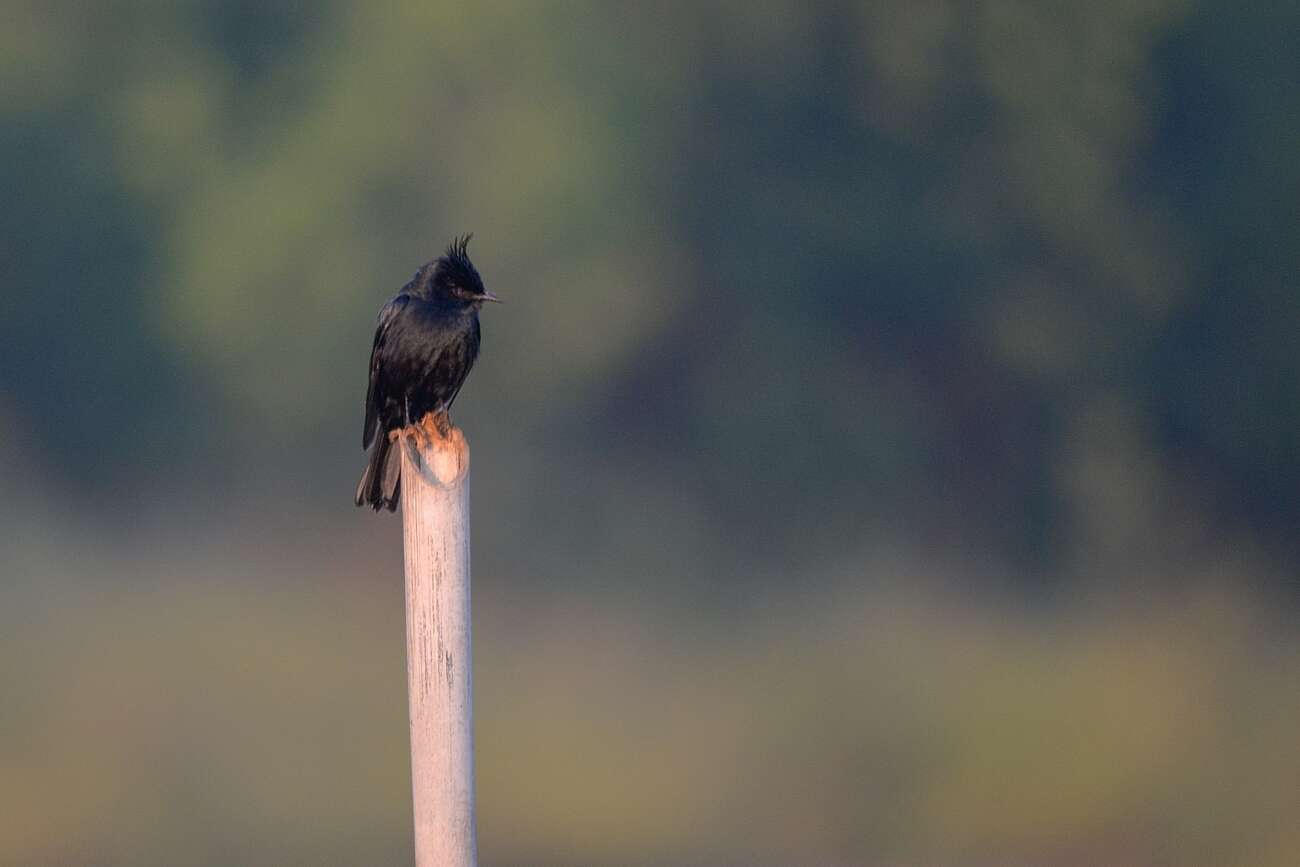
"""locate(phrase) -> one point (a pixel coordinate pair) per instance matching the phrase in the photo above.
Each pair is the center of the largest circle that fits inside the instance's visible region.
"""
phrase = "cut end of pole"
(440, 460)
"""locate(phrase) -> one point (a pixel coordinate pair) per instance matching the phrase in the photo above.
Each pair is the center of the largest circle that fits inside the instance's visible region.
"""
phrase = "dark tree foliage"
(1018, 279)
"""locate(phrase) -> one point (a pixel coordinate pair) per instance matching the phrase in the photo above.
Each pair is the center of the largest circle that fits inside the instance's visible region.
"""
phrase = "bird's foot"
(437, 425)
(411, 431)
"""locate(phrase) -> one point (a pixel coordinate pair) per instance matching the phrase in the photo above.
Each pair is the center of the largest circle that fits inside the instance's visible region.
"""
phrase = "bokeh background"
(889, 453)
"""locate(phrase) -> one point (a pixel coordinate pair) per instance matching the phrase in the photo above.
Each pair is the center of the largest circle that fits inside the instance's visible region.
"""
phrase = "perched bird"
(425, 344)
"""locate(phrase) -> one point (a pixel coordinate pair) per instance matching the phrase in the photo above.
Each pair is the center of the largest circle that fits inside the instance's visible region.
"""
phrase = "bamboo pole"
(435, 530)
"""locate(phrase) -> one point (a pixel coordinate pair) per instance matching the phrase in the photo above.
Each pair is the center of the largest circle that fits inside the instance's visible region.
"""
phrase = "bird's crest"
(454, 268)
(458, 250)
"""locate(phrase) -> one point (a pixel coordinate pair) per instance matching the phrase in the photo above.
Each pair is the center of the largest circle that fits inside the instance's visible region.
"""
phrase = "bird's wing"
(374, 396)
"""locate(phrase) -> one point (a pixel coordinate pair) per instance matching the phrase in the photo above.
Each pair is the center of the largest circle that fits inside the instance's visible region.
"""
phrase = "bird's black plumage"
(425, 344)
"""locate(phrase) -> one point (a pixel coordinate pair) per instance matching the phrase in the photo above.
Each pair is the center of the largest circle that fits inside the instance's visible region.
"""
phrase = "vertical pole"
(435, 531)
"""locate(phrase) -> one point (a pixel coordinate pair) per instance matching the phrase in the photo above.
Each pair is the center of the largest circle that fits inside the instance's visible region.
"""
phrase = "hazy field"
(247, 707)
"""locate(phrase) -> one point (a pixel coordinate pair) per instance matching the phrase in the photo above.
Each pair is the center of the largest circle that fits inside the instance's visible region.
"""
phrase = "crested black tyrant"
(425, 343)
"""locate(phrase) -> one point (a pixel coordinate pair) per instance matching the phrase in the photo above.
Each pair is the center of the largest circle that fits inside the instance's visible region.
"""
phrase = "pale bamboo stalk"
(435, 528)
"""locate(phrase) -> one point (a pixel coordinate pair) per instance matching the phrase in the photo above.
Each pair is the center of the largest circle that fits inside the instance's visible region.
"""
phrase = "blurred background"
(889, 453)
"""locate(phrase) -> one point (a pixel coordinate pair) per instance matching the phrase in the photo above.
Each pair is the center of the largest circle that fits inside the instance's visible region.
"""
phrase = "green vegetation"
(952, 246)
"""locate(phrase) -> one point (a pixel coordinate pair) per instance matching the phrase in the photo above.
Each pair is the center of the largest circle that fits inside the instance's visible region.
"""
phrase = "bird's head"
(453, 279)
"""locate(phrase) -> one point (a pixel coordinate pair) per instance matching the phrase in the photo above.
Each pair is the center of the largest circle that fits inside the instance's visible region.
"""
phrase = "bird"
(426, 341)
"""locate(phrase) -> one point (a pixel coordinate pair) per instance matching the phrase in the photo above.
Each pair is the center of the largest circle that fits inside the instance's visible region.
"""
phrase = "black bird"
(425, 344)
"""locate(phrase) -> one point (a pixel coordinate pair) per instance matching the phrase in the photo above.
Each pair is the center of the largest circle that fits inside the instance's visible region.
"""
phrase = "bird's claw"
(436, 425)
(411, 431)
(442, 421)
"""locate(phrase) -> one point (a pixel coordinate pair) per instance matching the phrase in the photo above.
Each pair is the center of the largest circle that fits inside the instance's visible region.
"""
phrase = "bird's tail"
(381, 483)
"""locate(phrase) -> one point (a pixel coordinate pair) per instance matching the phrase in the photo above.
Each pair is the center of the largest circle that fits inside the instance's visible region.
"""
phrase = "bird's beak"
(488, 296)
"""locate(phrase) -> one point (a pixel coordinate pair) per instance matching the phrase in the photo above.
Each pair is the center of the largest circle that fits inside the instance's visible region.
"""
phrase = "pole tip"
(440, 459)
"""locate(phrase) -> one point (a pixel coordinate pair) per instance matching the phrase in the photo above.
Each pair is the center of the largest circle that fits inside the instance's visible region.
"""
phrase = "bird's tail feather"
(381, 482)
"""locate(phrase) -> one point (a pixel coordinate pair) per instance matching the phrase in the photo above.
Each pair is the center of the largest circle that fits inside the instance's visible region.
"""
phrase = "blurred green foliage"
(948, 245)
(1005, 292)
